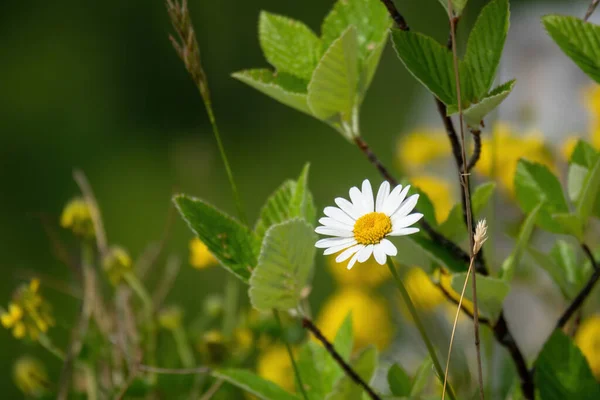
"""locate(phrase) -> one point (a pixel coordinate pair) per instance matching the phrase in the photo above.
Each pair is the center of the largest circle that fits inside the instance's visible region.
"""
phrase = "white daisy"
(360, 227)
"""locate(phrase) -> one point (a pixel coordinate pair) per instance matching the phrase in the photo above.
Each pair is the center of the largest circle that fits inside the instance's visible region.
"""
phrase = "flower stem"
(141, 292)
(183, 347)
(291, 355)
(413, 312)
(46, 343)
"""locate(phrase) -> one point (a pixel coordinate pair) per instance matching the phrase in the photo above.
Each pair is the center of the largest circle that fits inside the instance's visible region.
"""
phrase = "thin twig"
(476, 134)
(291, 356)
(591, 9)
(173, 371)
(166, 283)
(153, 251)
(457, 302)
(584, 293)
(395, 14)
(88, 194)
(59, 250)
(212, 390)
(308, 324)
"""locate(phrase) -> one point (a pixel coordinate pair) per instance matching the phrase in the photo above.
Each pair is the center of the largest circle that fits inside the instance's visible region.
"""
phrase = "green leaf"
(370, 67)
(438, 254)
(370, 18)
(364, 365)
(514, 259)
(344, 338)
(476, 112)
(289, 45)
(575, 179)
(285, 89)
(589, 194)
(577, 39)
(482, 196)
(332, 89)
(301, 203)
(230, 242)
(584, 154)
(457, 6)
(485, 44)
(399, 381)
(557, 272)
(426, 207)
(490, 293)
(571, 224)
(562, 372)
(534, 184)
(422, 376)
(428, 61)
(318, 370)
(254, 384)
(285, 266)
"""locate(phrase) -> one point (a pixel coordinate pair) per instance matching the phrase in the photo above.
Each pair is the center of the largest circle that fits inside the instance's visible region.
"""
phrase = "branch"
(591, 9)
(456, 302)
(395, 14)
(584, 293)
(476, 151)
(308, 324)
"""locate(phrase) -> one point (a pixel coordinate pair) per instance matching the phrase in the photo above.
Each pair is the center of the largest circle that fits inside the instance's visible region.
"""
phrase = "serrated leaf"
(514, 259)
(289, 45)
(571, 224)
(562, 372)
(284, 267)
(485, 44)
(534, 184)
(428, 61)
(287, 90)
(332, 89)
(399, 381)
(254, 384)
(424, 372)
(301, 203)
(438, 254)
(370, 18)
(364, 365)
(589, 194)
(476, 112)
(457, 6)
(318, 370)
(577, 39)
(575, 179)
(230, 242)
(491, 293)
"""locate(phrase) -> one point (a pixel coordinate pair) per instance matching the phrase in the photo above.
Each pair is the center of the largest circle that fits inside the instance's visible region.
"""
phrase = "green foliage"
(561, 371)
(426, 207)
(437, 254)
(231, 243)
(399, 381)
(589, 194)
(476, 112)
(344, 339)
(490, 293)
(561, 264)
(285, 266)
(364, 365)
(254, 384)
(583, 160)
(424, 372)
(457, 6)
(535, 184)
(577, 39)
(512, 262)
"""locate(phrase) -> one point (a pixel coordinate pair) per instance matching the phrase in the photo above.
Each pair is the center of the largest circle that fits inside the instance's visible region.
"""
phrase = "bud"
(77, 217)
(116, 264)
(480, 236)
(31, 377)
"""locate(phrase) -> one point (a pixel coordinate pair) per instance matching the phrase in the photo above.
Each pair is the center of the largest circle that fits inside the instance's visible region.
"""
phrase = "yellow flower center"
(372, 228)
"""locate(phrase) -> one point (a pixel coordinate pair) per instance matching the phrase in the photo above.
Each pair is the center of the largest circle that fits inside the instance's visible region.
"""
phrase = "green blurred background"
(97, 86)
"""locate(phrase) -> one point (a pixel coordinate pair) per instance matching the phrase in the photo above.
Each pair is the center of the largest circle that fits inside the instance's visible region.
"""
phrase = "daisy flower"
(360, 227)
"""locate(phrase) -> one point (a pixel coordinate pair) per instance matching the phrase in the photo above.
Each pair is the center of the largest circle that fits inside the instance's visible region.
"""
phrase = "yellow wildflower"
(509, 148)
(274, 365)
(28, 314)
(170, 318)
(567, 147)
(200, 256)
(439, 193)
(116, 264)
(77, 216)
(244, 339)
(588, 340)
(370, 275)
(423, 292)
(370, 317)
(422, 146)
(31, 377)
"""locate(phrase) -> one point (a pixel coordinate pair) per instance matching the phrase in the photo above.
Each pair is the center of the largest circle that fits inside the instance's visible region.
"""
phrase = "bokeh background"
(97, 86)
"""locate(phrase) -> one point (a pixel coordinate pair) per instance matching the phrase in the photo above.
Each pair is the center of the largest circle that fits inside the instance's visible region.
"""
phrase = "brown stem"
(476, 151)
(395, 14)
(584, 293)
(591, 9)
(308, 324)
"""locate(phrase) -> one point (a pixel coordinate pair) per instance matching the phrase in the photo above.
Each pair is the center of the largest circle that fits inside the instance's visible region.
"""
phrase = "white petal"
(395, 200)
(367, 192)
(347, 207)
(404, 231)
(407, 206)
(348, 252)
(379, 254)
(334, 223)
(329, 242)
(323, 230)
(340, 215)
(388, 247)
(382, 194)
(337, 248)
(365, 253)
(352, 261)
(357, 200)
(403, 222)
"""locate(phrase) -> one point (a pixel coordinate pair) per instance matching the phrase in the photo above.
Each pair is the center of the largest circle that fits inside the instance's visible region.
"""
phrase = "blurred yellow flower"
(567, 147)
(509, 148)
(588, 340)
(77, 216)
(31, 377)
(200, 256)
(438, 191)
(170, 317)
(423, 292)
(117, 264)
(422, 146)
(370, 317)
(591, 97)
(28, 314)
(274, 365)
(370, 275)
